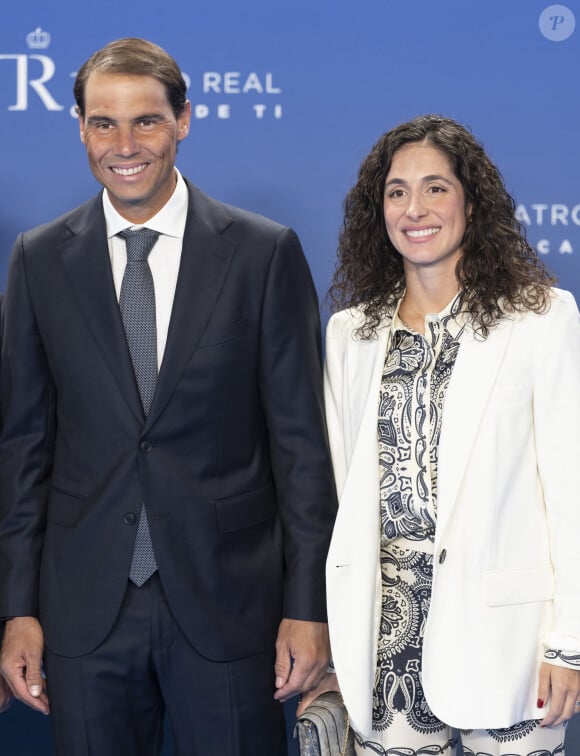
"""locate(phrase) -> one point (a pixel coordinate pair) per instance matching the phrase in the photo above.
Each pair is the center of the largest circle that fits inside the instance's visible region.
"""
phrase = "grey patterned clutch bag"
(323, 729)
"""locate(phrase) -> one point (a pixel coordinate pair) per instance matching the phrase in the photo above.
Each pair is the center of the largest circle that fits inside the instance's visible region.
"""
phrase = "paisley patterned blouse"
(415, 379)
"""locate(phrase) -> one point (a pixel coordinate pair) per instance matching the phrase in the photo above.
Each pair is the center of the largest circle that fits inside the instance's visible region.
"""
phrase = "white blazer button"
(442, 556)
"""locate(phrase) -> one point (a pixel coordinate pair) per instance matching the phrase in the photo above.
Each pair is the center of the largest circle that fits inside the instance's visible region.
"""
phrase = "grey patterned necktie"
(137, 305)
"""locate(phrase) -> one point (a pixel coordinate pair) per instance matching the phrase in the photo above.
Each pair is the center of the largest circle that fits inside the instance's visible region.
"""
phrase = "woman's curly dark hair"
(498, 272)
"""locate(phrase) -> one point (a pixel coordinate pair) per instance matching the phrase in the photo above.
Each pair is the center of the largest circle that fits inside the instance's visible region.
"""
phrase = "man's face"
(131, 134)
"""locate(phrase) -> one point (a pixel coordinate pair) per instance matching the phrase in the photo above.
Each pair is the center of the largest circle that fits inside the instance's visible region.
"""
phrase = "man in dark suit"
(5, 696)
(162, 539)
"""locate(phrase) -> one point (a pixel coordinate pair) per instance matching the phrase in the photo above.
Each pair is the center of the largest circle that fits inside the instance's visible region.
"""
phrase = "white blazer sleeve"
(556, 407)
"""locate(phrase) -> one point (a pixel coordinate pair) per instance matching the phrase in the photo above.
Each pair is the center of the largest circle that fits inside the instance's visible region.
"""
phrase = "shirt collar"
(451, 316)
(169, 221)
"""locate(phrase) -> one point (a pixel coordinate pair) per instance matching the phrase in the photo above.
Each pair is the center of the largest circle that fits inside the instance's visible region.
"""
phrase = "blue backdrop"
(287, 98)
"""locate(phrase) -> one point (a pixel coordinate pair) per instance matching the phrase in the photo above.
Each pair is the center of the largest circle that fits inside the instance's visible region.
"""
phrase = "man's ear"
(183, 122)
(81, 124)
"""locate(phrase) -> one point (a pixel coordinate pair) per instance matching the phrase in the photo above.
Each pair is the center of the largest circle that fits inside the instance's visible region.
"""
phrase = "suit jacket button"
(442, 556)
(145, 446)
(130, 518)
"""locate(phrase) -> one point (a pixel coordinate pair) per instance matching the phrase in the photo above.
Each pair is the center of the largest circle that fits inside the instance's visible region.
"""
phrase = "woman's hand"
(328, 682)
(561, 686)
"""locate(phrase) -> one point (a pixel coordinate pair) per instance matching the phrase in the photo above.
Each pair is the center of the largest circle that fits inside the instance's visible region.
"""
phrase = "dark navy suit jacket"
(231, 461)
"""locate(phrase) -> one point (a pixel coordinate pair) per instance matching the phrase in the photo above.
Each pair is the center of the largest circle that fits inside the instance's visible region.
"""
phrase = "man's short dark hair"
(136, 57)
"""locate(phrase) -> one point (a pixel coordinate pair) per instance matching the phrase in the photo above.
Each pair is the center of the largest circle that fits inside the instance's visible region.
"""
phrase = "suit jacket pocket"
(64, 509)
(245, 510)
(502, 587)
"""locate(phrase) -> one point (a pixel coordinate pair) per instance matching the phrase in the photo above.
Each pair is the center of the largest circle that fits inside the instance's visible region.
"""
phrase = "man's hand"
(21, 661)
(302, 656)
(561, 686)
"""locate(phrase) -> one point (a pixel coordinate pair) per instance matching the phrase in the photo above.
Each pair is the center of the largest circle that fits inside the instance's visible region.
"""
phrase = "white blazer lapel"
(474, 373)
(365, 361)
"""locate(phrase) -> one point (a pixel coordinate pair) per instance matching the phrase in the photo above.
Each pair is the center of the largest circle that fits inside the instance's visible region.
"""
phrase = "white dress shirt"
(164, 258)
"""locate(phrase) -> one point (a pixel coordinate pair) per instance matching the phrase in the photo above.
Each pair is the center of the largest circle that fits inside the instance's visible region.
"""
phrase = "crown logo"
(38, 39)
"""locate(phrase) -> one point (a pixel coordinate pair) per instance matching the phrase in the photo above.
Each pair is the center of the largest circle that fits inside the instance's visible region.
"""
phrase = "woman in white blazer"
(453, 403)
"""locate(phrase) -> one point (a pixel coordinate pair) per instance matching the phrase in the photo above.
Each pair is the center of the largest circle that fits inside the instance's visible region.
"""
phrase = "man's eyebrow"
(95, 118)
(136, 119)
(149, 117)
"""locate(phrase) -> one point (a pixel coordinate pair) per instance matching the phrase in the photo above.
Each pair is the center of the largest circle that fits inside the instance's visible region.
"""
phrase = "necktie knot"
(139, 243)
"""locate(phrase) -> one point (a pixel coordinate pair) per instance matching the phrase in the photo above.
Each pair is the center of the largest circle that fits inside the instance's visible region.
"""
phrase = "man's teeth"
(129, 171)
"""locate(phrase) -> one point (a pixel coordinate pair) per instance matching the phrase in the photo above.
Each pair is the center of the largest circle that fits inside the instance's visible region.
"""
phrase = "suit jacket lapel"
(472, 380)
(85, 258)
(205, 260)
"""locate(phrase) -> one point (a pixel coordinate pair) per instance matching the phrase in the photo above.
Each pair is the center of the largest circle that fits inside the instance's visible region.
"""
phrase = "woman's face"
(424, 208)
